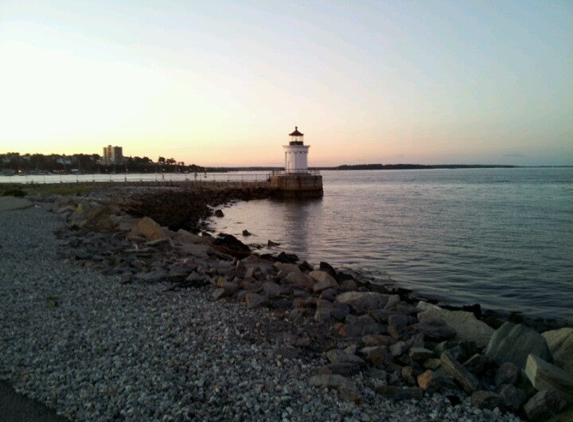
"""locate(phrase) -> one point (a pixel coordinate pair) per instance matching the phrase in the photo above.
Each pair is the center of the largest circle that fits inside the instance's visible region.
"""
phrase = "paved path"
(15, 407)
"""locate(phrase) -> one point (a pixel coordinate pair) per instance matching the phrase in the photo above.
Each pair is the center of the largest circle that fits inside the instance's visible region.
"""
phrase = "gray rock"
(465, 324)
(322, 279)
(347, 389)
(560, 343)
(149, 229)
(362, 302)
(546, 376)
(322, 285)
(456, 370)
(514, 342)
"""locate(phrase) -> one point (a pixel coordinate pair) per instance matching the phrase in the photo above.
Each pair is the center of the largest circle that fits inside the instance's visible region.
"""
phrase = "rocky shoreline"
(323, 330)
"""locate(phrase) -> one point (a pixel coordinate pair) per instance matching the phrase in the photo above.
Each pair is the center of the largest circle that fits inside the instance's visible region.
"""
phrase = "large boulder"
(560, 343)
(545, 376)
(465, 324)
(148, 229)
(362, 302)
(514, 342)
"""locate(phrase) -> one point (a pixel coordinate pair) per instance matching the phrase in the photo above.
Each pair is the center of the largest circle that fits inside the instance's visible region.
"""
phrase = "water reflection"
(287, 222)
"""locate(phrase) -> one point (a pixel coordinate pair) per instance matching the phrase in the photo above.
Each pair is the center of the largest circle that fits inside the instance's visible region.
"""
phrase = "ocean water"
(502, 238)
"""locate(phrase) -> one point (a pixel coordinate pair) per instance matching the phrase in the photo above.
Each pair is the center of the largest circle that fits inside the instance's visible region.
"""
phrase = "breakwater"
(283, 322)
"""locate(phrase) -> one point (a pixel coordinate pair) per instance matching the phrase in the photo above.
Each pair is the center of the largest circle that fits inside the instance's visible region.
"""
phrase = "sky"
(223, 83)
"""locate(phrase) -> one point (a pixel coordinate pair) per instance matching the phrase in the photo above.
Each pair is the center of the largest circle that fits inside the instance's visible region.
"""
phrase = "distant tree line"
(17, 163)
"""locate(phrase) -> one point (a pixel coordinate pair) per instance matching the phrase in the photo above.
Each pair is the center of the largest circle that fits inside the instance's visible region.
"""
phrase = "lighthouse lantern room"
(296, 153)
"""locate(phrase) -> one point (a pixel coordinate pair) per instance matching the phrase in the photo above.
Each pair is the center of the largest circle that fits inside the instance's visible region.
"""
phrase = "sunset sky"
(223, 82)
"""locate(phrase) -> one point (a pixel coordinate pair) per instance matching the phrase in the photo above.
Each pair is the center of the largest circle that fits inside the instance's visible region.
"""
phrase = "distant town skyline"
(223, 83)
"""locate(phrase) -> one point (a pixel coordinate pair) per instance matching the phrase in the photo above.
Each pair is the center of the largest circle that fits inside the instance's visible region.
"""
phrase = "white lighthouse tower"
(296, 153)
(296, 181)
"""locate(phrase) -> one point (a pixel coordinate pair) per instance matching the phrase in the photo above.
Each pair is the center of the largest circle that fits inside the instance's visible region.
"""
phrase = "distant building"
(296, 180)
(112, 155)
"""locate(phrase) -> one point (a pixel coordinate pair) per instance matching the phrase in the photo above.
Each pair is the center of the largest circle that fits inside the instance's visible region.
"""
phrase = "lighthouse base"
(297, 185)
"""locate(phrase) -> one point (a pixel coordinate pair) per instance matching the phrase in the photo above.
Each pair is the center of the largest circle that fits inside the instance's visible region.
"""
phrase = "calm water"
(499, 237)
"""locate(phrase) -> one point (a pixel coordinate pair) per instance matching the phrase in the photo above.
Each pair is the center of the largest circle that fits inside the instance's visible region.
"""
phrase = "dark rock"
(362, 302)
(272, 244)
(512, 396)
(346, 389)
(542, 406)
(152, 276)
(271, 289)
(420, 353)
(409, 375)
(361, 326)
(434, 381)
(507, 373)
(254, 300)
(340, 356)
(435, 332)
(230, 245)
(475, 364)
(287, 258)
(346, 369)
(468, 382)
(445, 345)
(219, 213)
(339, 311)
(326, 267)
(398, 393)
(246, 233)
(486, 399)
(398, 348)
(397, 323)
(376, 355)
(377, 340)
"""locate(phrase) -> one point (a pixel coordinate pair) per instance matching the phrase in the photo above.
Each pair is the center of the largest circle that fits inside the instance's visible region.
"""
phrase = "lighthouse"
(296, 180)
(296, 153)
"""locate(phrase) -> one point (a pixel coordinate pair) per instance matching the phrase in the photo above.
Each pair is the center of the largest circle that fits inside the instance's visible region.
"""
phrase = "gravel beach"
(95, 349)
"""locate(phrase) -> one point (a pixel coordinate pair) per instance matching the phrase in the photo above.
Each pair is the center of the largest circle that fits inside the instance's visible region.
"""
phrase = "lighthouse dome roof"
(296, 132)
